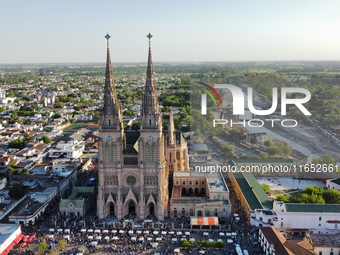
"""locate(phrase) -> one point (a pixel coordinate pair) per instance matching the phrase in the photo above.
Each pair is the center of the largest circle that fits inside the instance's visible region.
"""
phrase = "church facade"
(135, 166)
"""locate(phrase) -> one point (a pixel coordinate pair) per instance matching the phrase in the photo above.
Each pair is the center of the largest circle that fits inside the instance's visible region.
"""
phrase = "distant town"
(92, 163)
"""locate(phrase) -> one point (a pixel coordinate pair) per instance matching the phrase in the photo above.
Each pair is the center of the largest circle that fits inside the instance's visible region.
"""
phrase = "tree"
(82, 99)
(19, 144)
(62, 244)
(282, 198)
(45, 139)
(268, 143)
(265, 187)
(42, 247)
(286, 150)
(230, 149)
(253, 140)
(57, 115)
(17, 191)
(27, 138)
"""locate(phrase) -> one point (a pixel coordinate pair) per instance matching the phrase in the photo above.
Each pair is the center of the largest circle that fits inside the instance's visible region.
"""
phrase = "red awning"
(9, 247)
(18, 238)
(206, 221)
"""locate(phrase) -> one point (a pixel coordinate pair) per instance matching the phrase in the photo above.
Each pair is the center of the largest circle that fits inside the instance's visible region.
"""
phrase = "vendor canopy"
(204, 221)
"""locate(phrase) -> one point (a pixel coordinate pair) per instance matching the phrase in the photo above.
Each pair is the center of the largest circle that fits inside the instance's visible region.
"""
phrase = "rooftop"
(6, 230)
(251, 189)
(317, 208)
(325, 239)
(336, 181)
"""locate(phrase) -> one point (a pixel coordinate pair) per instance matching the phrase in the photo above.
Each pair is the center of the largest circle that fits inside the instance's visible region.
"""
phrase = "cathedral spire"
(111, 115)
(151, 115)
(171, 129)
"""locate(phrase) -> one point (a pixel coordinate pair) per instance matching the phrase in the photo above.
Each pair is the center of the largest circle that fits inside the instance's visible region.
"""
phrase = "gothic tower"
(111, 141)
(152, 139)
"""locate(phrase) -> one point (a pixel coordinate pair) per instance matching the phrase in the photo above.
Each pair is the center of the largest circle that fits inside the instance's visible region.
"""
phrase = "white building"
(72, 149)
(333, 184)
(313, 218)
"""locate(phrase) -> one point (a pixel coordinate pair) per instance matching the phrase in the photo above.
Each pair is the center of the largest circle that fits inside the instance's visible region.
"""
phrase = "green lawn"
(77, 126)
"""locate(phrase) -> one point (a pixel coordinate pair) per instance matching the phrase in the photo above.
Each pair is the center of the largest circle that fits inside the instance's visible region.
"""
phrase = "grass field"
(77, 126)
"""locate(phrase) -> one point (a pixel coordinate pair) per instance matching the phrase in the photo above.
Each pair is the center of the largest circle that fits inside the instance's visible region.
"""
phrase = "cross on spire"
(149, 36)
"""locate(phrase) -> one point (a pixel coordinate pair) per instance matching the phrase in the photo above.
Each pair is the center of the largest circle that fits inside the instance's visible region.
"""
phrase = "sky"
(72, 31)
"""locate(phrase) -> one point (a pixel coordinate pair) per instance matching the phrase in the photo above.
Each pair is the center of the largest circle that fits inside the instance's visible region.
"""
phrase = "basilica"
(136, 167)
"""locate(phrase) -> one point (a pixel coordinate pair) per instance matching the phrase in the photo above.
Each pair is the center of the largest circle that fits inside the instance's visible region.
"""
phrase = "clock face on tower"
(150, 138)
(131, 180)
(109, 138)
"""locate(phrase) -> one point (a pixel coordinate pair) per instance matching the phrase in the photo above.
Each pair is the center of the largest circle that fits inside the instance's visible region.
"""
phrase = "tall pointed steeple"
(111, 115)
(171, 129)
(151, 115)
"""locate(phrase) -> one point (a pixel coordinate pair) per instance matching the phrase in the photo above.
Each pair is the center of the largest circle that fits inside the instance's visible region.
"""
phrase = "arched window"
(107, 152)
(207, 213)
(113, 152)
(170, 157)
(147, 154)
(154, 152)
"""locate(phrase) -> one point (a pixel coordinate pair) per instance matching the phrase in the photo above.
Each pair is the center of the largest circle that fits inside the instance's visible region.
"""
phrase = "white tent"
(202, 252)
(141, 239)
(114, 238)
(230, 241)
(59, 230)
(187, 233)
(107, 238)
(219, 240)
(67, 230)
(163, 232)
(50, 236)
(171, 232)
(177, 250)
(158, 238)
(130, 232)
(211, 240)
(155, 232)
(192, 239)
(174, 239)
(222, 234)
(114, 231)
(66, 237)
(179, 233)
(154, 245)
(146, 232)
(183, 239)
(227, 234)
(90, 230)
(105, 231)
(133, 238)
(149, 238)
(139, 232)
(90, 237)
(93, 243)
(51, 230)
(205, 233)
(234, 234)
(98, 238)
(97, 231)
(83, 230)
(121, 231)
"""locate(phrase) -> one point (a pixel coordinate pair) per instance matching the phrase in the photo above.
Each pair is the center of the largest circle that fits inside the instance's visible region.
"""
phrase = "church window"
(183, 182)
(150, 122)
(154, 152)
(147, 155)
(178, 156)
(170, 157)
(107, 151)
(109, 122)
(113, 152)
